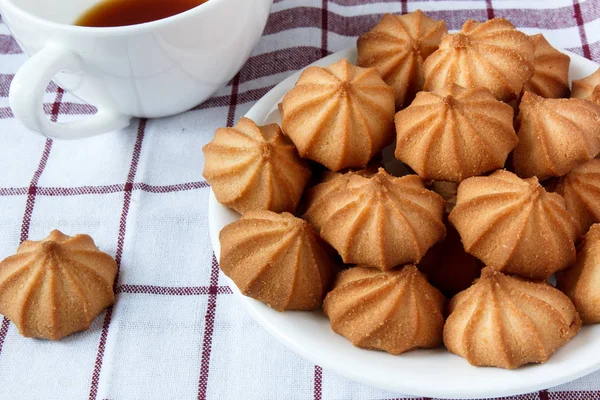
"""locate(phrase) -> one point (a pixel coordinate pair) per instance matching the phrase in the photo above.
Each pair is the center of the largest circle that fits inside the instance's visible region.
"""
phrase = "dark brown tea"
(130, 12)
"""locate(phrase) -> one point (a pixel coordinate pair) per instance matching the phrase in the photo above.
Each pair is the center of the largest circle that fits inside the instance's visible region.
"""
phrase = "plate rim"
(253, 307)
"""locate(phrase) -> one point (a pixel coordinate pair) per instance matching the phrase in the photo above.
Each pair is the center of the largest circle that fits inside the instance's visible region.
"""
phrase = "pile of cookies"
(504, 185)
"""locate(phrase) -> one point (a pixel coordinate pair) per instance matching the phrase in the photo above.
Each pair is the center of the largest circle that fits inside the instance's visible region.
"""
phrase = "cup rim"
(112, 30)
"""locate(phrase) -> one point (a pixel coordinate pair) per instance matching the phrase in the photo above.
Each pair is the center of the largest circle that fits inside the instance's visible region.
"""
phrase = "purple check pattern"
(175, 331)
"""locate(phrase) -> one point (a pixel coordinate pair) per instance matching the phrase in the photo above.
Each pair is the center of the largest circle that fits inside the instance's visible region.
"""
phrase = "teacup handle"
(26, 98)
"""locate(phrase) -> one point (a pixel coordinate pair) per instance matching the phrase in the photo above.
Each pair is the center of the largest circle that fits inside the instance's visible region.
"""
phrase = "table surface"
(176, 331)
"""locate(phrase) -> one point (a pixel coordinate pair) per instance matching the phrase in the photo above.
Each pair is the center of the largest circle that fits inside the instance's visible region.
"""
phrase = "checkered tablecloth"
(176, 331)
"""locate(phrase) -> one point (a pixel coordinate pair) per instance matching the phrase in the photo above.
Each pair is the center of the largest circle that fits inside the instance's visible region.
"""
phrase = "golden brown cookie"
(394, 311)
(340, 116)
(551, 76)
(397, 47)
(588, 88)
(277, 259)
(514, 225)
(379, 220)
(448, 266)
(555, 135)
(581, 191)
(56, 286)
(492, 54)
(454, 133)
(251, 167)
(505, 321)
(581, 282)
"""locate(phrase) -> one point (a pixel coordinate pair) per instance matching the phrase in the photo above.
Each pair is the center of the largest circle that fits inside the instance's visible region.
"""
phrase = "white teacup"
(148, 70)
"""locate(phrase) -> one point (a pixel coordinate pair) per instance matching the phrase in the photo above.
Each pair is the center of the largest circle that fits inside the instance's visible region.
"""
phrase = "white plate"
(428, 373)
